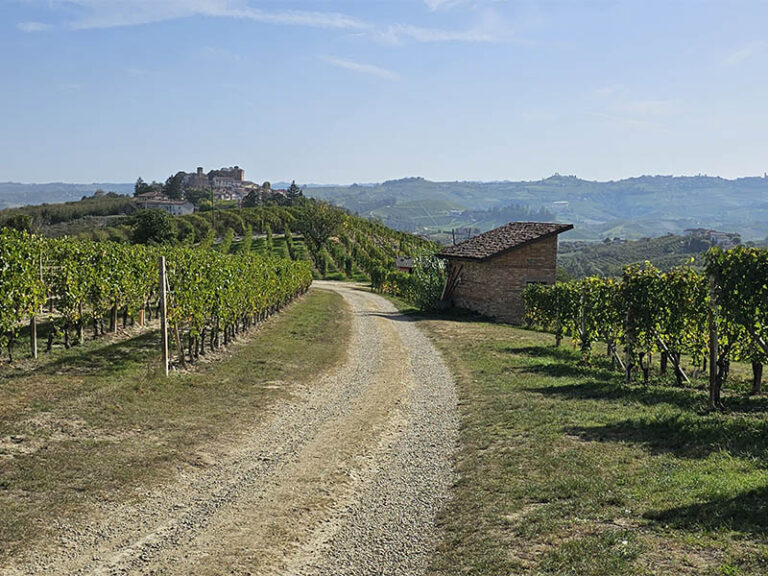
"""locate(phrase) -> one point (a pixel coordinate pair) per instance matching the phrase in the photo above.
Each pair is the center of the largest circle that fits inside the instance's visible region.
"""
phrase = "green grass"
(565, 470)
(98, 420)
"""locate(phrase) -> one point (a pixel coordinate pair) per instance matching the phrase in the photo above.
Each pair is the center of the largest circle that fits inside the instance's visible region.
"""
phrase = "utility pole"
(163, 314)
(213, 212)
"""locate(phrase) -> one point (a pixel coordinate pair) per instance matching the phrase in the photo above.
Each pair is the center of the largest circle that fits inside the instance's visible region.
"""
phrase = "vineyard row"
(714, 318)
(81, 283)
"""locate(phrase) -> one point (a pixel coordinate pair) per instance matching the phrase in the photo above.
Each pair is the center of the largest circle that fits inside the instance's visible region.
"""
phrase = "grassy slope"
(564, 470)
(97, 421)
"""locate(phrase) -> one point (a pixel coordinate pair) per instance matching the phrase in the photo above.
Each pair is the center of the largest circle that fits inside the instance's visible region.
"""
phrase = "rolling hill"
(631, 208)
(609, 258)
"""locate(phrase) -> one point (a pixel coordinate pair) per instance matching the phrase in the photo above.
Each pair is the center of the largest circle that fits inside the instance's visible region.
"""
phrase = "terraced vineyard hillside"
(348, 247)
(351, 255)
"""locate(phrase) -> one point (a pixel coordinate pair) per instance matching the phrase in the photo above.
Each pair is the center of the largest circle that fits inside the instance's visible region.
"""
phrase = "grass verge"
(565, 470)
(94, 423)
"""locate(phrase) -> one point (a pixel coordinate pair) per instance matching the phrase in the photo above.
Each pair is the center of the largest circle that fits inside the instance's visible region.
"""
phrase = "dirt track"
(345, 478)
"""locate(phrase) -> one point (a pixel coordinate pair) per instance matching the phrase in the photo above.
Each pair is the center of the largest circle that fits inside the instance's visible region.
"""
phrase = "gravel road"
(344, 478)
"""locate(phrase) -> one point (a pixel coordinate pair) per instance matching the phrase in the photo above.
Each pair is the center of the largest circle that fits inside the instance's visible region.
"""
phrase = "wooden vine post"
(33, 335)
(714, 395)
(33, 318)
(628, 364)
(163, 315)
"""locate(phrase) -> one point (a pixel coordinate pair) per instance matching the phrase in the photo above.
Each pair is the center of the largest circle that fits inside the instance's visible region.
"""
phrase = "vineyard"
(355, 252)
(76, 285)
(712, 318)
(225, 270)
(336, 245)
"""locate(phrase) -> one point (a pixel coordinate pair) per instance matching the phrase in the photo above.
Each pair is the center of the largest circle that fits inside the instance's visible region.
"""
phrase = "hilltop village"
(184, 192)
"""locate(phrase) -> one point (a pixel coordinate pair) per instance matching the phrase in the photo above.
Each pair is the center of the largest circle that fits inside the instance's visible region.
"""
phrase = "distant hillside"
(608, 259)
(632, 208)
(44, 216)
(14, 194)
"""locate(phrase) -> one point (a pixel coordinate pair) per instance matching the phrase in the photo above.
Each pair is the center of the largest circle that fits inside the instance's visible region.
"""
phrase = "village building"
(198, 179)
(226, 183)
(725, 240)
(155, 201)
(488, 273)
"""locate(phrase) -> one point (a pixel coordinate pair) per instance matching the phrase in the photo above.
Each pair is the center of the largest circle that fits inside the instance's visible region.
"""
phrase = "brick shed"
(487, 273)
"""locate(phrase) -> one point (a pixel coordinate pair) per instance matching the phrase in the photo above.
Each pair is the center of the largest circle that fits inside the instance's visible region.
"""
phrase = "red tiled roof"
(502, 239)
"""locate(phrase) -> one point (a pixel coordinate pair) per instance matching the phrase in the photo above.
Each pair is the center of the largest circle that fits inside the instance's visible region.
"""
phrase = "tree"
(268, 241)
(196, 195)
(19, 222)
(294, 192)
(185, 232)
(153, 227)
(251, 199)
(173, 186)
(427, 281)
(245, 247)
(141, 187)
(318, 222)
(226, 243)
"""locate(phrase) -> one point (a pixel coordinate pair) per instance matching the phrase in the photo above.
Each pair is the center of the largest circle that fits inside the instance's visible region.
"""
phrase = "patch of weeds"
(603, 554)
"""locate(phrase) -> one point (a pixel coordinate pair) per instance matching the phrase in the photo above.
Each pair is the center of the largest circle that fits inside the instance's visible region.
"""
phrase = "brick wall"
(494, 288)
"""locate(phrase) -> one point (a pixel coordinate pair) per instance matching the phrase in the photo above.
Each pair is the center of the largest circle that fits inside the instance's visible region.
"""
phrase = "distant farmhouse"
(404, 264)
(156, 201)
(725, 240)
(487, 273)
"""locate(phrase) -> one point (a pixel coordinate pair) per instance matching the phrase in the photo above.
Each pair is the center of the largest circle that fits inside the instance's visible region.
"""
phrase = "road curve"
(346, 477)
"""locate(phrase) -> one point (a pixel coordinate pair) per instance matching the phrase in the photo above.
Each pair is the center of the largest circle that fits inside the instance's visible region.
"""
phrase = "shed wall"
(494, 287)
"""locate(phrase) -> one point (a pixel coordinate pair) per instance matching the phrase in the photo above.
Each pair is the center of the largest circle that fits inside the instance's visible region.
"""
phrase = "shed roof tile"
(502, 239)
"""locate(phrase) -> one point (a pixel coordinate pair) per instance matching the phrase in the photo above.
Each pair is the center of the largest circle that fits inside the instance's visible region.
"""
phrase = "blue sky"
(360, 91)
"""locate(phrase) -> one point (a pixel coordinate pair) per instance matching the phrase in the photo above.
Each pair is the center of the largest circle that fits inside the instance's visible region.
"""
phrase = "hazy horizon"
(373, 183)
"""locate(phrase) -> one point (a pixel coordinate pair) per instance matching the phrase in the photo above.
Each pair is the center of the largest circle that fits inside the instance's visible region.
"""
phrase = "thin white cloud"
(489, 27)
(369, 69)
(616, 103)
(220, 54)
(609, 90)
(400, 32)
(438, 4)
(98, 14)
(744, 53)
(647, 107)
(111, 14)
(33, 26)
(623, 120)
